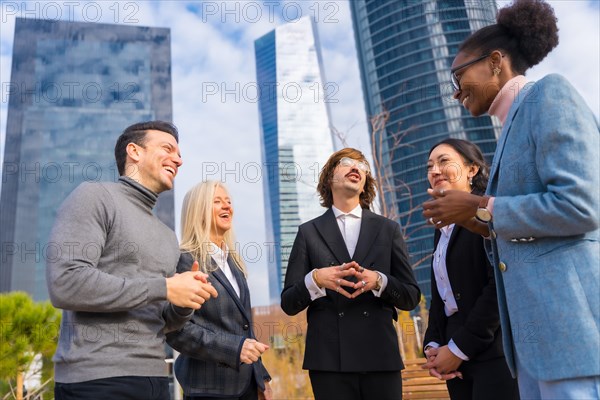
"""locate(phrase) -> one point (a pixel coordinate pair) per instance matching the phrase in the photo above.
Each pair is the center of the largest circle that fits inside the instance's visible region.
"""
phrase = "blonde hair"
(196, 222)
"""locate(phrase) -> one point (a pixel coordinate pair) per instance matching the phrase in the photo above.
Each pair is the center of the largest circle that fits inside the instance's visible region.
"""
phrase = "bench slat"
(418, 384)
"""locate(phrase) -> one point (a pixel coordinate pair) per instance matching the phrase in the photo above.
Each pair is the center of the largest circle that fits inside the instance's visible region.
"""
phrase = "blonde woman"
(220, 357)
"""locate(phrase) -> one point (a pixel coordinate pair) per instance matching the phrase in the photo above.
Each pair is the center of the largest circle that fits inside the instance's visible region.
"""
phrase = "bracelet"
(314, 276)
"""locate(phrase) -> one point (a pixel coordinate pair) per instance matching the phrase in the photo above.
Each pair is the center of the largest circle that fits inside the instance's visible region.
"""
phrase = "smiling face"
(478, 85)
(222, 214)
(447, 169)
(156, 162)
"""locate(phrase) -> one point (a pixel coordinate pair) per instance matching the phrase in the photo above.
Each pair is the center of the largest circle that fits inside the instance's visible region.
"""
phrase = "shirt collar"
(356, 212)
(506, 97)
(447, 230)
(217, 251)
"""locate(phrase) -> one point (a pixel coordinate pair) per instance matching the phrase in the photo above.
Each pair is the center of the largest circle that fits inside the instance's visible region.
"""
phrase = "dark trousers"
(119, 387)
(356, 385)
(250, 394)
(482, 380)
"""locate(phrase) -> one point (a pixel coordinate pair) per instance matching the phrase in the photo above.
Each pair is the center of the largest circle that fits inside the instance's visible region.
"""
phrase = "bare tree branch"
(388, 185)
(340, 135)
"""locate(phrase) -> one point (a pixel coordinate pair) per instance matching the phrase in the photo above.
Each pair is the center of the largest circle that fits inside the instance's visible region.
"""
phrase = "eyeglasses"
(443, 165)
(350, 162)
(455, 80)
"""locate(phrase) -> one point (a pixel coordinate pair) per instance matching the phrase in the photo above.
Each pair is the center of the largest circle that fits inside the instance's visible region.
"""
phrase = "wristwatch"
(379, 282)
(482, 213)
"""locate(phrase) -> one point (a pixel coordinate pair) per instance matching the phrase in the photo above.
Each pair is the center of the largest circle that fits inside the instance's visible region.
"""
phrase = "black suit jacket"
(351, 335)
(211, 342)
(474, 288)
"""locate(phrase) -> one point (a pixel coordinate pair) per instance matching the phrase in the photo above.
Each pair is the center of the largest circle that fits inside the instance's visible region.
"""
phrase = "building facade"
(405, 50)
(74, 87)
(295, 135)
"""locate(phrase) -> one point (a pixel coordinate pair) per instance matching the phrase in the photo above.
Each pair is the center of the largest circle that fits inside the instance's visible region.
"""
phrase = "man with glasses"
(351, 269)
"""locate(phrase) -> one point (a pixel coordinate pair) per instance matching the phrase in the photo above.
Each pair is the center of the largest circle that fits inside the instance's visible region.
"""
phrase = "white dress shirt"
(440, 271)
(220, 258)
(349, 224)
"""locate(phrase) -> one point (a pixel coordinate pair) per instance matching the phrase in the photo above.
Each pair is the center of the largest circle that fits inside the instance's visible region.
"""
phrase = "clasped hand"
(190, 289)
(252, 350)
(450, 206)
(334, 278)
(454, 207)
(442, 363)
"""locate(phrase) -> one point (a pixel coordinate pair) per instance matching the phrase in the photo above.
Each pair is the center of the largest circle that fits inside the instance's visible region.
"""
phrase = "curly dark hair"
(471, 153)
(324, 186)
(526, 31)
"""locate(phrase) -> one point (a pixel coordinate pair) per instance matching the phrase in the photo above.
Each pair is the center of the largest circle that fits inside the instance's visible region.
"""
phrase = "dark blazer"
(211, 342)
(474, 288)
(351, 335)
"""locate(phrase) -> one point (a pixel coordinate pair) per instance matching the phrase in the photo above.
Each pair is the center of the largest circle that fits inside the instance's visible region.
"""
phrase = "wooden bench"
(417, 384)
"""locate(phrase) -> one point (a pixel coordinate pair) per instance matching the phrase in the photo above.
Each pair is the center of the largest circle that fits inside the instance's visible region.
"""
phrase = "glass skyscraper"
(405, 49)
(295, 135)
(74, 87)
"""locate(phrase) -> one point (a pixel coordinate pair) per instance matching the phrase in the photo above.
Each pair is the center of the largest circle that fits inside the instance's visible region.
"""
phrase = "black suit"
(351, 335)
(475, 327)
(210, 343)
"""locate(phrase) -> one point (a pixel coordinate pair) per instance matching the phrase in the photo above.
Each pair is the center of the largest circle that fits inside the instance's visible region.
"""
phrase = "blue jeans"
(584, 388)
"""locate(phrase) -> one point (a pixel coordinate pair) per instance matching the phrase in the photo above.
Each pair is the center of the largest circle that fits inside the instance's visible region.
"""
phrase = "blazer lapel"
(329, 230)
(524, 93)
(455, 232)
(368, 233)
(220, 276)
(241, 281)
(436, 238)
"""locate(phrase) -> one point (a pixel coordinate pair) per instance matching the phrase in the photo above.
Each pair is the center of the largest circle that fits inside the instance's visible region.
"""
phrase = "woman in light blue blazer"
(541, 208)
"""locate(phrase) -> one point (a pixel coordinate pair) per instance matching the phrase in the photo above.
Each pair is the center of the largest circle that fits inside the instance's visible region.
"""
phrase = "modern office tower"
(405, 49)
(74, 87)
(295, 135)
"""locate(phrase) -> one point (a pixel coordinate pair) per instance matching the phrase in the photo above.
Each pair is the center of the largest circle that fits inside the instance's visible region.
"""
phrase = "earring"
(496, 71)
(471, 181)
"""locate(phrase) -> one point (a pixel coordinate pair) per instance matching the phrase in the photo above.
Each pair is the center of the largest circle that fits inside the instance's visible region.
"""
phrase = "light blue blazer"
(544, 232)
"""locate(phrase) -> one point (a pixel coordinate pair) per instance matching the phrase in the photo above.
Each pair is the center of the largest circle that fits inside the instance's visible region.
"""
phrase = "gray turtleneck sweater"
(107, 262)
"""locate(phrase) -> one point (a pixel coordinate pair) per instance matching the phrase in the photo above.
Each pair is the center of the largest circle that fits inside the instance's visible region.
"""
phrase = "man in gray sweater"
(113, 274)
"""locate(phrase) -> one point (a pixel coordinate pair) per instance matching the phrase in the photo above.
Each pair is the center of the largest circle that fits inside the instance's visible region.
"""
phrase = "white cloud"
(577, 56)
(218, 121)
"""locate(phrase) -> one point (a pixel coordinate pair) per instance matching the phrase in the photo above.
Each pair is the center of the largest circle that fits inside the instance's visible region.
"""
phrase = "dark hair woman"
(463, 335)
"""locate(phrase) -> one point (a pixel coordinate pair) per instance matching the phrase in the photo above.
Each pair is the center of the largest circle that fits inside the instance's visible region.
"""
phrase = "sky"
(213, 73)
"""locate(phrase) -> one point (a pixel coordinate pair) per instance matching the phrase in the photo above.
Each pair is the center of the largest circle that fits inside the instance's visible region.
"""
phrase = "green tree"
(27, 329)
